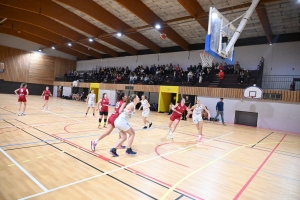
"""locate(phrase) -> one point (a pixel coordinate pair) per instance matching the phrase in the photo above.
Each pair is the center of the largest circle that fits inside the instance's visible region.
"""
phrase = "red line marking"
(156, 150)
(135, 171)
(258, 169)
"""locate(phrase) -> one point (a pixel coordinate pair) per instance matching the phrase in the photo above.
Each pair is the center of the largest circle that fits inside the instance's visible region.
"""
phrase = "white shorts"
(122, 124)
(91, 104)
(146, 112)
(197, 119)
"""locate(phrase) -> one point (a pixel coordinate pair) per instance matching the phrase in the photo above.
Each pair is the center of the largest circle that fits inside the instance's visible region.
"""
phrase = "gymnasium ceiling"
(58, 22)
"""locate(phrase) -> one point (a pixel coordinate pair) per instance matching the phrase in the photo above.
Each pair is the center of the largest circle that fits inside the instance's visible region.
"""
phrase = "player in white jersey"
(122, 124)
(90, 102)
(197, 117)
(146, 111)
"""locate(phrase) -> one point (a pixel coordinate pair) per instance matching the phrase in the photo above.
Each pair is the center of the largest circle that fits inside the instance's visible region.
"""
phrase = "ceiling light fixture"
(53, 47)
(40, 50)
(69, 44)
(119, 34)
(91, 40)
(157, 26)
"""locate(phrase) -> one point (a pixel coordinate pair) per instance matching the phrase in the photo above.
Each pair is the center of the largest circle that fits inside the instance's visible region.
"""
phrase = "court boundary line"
(24, 171)
(121, 168)
(212, 162)
(257, 170)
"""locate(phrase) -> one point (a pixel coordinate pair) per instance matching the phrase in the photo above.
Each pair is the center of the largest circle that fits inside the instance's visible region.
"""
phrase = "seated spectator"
(247, 76)
(221, 75)
(241, 77)
(146, 79)
(190, 75)
(131, 78)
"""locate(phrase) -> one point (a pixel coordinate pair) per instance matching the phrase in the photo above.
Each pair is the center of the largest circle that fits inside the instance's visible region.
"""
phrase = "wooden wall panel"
(41, 69)
(107, 86)
(65, 84)
(16, 63)
(62, 66)
(146, 88)
(84, 85)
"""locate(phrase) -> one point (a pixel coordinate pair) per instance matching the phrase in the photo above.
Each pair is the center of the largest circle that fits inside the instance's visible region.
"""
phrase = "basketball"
(163, 36)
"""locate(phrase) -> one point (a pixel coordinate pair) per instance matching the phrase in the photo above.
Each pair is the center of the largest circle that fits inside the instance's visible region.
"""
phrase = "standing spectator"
(200, 76)
(190, 75)
(225, 68)
(220, 110)
(237, 67)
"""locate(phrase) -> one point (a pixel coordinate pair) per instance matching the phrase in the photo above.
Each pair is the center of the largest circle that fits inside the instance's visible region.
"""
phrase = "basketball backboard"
(222, 35)
(253, 92)
(220, 32)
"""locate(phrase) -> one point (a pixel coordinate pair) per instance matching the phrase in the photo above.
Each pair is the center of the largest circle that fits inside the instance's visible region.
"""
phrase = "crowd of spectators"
(157, 74)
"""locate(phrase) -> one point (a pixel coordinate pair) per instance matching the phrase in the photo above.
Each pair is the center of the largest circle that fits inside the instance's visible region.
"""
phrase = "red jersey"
(177, 113)
(115, 114)
(46, 94)
(104, 105)
(22, 94)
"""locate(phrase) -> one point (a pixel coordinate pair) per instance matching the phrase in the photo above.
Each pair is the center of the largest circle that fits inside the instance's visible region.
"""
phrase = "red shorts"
(111, 119)
(46, 97)
(175, 116)
(22, 98)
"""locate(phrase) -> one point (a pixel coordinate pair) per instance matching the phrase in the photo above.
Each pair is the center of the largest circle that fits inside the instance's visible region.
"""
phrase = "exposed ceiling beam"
(195, 9)
(147, 15)
(47, 35)
(50, 25)
(96, 11)
(40, 41)
(264, 20)
(50, 9)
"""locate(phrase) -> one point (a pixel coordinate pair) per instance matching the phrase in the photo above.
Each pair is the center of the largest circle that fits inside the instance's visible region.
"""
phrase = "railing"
(278, 82)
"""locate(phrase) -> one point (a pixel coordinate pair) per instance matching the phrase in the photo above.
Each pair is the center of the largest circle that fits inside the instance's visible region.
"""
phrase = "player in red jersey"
(46, 94)
(103, 109)
(22, 92)
(176, 116)
(110, 127)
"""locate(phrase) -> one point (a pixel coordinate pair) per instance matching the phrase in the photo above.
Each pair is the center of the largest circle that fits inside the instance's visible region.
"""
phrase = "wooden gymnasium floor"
(46, 155)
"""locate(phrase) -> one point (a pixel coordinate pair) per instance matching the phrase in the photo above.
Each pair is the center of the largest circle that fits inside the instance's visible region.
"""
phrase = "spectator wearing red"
(221, 75)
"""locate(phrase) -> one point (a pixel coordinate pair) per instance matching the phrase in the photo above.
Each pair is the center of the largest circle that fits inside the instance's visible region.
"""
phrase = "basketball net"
(206, 59)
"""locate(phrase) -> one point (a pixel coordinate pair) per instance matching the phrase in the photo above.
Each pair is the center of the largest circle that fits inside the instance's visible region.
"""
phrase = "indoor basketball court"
(46, 155)
(82, 50)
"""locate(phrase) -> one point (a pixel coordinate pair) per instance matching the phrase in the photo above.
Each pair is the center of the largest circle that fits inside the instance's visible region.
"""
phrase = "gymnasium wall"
(271, 115)
(24, 66)
(280, 59)
(8, 87)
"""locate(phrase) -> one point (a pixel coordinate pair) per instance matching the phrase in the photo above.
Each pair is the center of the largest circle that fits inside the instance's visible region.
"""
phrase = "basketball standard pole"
(241, 26)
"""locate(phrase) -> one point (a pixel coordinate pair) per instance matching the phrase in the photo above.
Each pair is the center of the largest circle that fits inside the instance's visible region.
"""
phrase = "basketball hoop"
(206, 59)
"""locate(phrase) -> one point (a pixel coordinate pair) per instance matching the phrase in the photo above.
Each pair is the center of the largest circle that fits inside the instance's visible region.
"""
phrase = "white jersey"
(144, 104)
(198, 110)
(92, 98)
(127, 116)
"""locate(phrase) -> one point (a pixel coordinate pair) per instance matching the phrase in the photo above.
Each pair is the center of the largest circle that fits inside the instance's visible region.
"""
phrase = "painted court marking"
(23, 170)
(210, 163)
(121, 168)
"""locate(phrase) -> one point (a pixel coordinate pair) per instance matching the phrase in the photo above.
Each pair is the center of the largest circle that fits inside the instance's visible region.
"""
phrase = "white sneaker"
(170, 136)
(23, 113)
(19, 114)
(48, 108)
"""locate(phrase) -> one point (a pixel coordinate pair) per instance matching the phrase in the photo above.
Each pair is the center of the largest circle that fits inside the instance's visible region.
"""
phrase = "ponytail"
(130, 99)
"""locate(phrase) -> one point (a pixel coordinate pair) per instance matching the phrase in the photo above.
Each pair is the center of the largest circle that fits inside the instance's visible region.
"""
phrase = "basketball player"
(146, 110)
(122, 124)
(197, 117)
(90, 101)
(178, 110)
(46, 94)
(103, 109)
(23, 92)
(111, 120)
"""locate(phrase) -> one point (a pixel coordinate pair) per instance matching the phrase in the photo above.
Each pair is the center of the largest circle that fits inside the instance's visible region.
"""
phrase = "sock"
(105, 121)
(199, 137)
(85, 113)
(100, 120)
(93, 114)
(96, 141)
